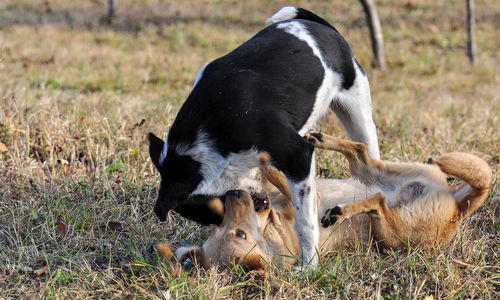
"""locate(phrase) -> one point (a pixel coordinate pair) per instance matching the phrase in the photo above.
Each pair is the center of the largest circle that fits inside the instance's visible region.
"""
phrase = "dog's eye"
(241, 234)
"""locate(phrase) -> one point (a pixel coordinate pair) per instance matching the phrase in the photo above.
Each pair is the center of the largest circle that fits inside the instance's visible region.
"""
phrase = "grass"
(77, 186)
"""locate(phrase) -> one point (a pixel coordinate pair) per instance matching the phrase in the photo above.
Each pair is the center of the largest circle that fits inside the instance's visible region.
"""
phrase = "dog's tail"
(290, 12)
(477, 177)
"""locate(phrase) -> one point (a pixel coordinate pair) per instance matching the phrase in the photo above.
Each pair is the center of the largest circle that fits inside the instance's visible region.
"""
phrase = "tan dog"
(395, 204)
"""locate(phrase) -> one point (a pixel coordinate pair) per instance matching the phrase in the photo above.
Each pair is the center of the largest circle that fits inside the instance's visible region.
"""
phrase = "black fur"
(258, 96)
(416, 189)
(331, 216)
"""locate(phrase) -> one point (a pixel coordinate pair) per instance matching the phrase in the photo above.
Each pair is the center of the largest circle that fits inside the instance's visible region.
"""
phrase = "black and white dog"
(263, 96)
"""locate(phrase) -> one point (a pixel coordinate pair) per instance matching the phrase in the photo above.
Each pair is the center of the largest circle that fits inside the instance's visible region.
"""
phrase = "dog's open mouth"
(260, 201)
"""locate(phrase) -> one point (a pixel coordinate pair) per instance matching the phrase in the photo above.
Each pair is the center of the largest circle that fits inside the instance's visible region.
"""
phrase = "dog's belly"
(351, 232)
(335, 192)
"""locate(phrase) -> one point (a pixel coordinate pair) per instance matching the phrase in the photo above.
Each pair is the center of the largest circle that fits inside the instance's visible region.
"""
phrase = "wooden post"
(471, 32)
(111, 11)
(376, 35)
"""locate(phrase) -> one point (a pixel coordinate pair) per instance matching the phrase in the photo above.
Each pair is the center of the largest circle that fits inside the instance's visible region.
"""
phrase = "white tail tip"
(286, 13)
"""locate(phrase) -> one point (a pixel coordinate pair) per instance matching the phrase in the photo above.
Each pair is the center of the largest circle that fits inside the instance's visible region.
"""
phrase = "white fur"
(220, 174)
(331, 82)
(183, 250)
(286, 13)
(341, 191)
(356, 101)
(306, 216)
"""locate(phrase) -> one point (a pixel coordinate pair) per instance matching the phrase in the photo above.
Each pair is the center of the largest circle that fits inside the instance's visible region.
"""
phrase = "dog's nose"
(234, 193)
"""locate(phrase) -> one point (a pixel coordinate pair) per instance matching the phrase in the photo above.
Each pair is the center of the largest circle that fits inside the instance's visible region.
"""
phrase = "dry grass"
(77, 187)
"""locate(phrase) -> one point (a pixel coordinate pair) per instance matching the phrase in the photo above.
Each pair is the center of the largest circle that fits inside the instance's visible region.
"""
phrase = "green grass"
(77, 186)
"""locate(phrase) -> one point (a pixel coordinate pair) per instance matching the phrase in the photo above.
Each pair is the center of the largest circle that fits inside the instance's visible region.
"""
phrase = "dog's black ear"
(155, 148)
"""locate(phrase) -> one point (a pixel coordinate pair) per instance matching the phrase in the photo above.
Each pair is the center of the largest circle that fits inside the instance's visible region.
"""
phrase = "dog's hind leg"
(477, 176)
(386, 223)
(353, 107)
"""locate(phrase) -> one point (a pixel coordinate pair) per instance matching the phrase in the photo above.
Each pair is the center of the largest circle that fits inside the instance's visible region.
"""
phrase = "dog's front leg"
(386, 224)
(306, 214)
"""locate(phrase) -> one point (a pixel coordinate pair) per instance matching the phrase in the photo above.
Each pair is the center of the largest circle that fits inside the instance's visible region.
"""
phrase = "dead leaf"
(41, 271)
(63, 162)
(3, 148)
(62, 227)
(139, 124)
(113, 226)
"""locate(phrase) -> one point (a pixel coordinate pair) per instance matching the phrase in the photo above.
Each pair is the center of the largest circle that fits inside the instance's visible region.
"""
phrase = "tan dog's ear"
(217, 206)
(264, 158)
(190, 257)
(252, 262)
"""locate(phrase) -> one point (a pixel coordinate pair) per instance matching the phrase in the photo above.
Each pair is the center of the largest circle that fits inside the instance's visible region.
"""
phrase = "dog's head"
(180, 175)
(247, 237)
(239, 238)
(195, 178)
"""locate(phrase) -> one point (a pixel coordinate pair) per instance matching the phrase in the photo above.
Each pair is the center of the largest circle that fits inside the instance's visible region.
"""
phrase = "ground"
(77, 186)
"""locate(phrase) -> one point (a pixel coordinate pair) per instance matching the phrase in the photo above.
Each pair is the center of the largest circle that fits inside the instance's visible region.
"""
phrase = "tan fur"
(394, 204)
(266, 239)
(397, 216)
(164, 250)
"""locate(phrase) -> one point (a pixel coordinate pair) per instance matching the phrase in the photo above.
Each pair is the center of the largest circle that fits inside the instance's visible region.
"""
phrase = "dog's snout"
(234, 193)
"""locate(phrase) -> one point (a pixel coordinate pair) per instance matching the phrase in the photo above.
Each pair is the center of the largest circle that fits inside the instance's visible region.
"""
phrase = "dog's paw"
(314, 136)
(331, 216)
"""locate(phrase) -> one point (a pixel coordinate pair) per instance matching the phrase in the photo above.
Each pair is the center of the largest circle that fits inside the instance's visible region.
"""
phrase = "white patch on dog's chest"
(220, 174)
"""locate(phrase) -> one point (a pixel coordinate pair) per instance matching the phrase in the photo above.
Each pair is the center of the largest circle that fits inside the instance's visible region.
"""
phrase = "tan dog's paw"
(164, 250)
(332, 216)
(314, 137)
